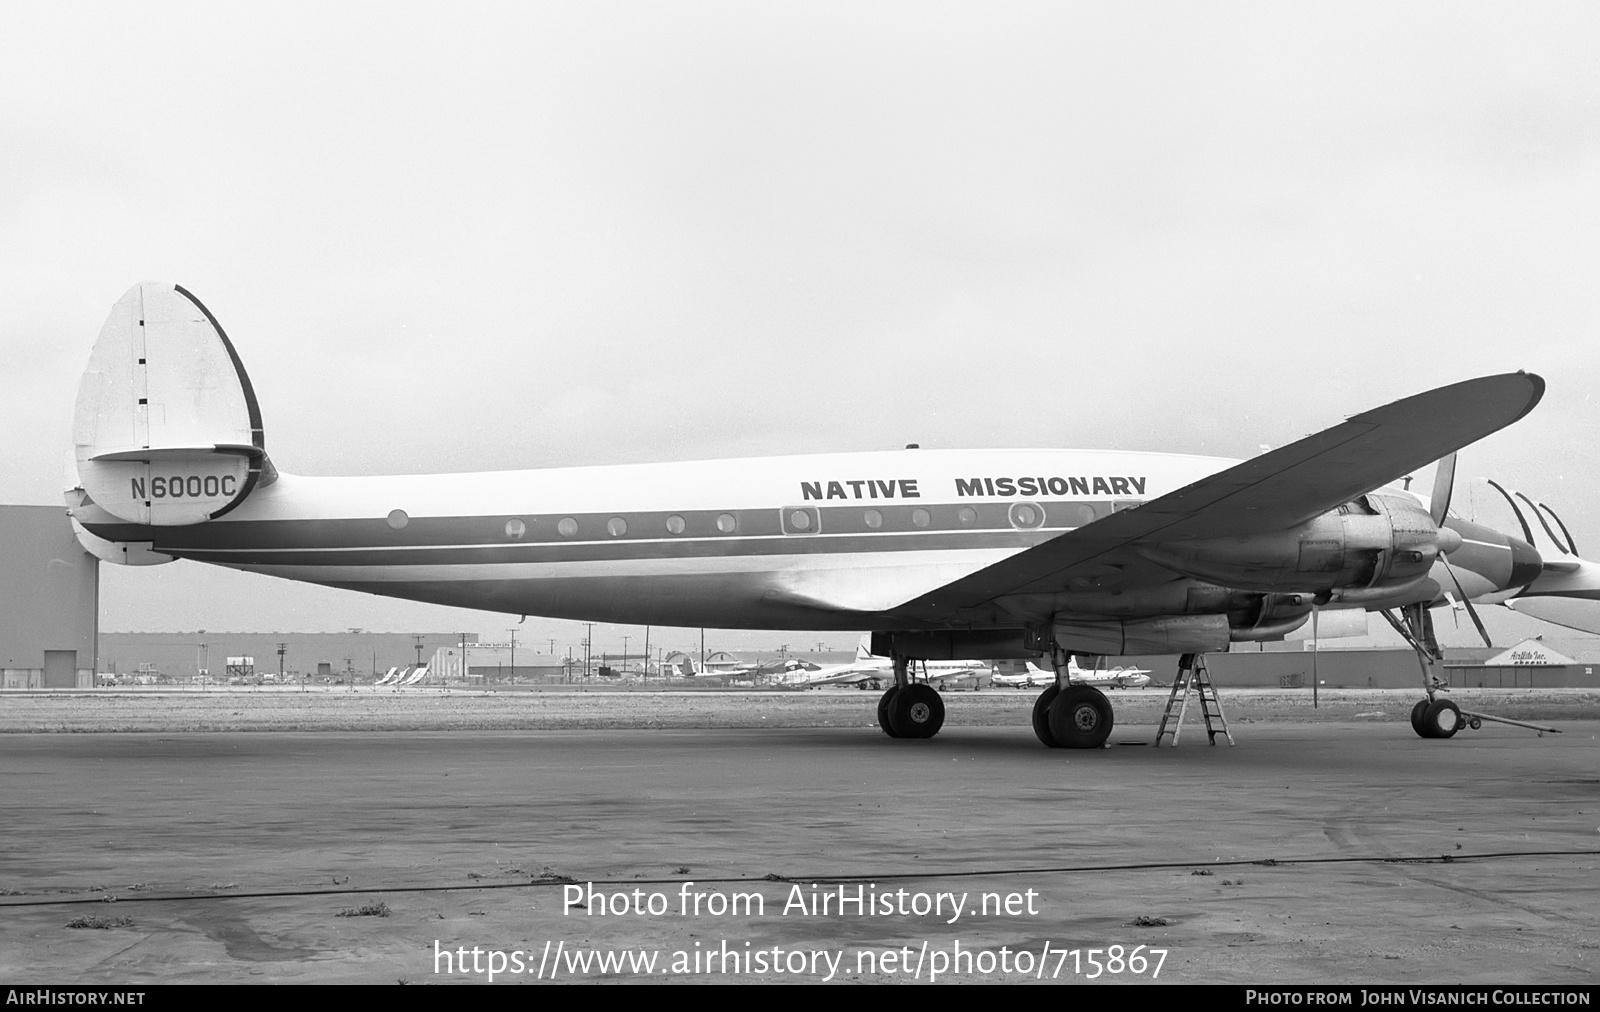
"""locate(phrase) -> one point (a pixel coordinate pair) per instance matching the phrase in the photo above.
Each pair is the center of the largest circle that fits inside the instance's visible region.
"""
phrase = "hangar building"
(49, 601)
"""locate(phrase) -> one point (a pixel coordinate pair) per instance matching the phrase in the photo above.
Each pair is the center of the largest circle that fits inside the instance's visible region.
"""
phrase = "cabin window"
(921, 517)
(1026, 515)
(398, 519)
(801, 520)
(515, 529)
(675, 524)
(616, 527)
(567, 527)
(874, 519)
(968, 515)
(726, 524)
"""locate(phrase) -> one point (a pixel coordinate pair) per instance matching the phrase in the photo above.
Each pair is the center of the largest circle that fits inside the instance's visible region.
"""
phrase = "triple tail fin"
(167, 430)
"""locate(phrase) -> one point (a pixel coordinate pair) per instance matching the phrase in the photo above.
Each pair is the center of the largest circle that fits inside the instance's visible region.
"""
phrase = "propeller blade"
(1560, 546)
(1527, 532)
(1572, 547)
(1471, 611)
(1444, 480)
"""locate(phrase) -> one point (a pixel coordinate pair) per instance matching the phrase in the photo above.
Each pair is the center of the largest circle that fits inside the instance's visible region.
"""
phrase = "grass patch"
(100, 923)
(367, 910)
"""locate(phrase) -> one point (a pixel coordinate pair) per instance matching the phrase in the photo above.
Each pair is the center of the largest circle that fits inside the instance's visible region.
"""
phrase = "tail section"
(167, 431)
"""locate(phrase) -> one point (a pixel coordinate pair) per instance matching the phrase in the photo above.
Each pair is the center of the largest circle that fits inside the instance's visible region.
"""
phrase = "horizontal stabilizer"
(167, 430)
(120, 553)
(1569, 613)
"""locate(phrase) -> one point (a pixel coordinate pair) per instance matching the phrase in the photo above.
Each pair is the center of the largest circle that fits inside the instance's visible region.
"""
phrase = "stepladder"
(1193, 680)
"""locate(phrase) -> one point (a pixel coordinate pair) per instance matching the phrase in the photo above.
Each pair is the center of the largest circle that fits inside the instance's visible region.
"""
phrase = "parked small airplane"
(1116, 678)
(948, 555)
(869, 671)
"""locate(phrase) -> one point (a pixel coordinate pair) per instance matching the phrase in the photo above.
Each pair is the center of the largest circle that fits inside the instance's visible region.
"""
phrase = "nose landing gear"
(1434, 717)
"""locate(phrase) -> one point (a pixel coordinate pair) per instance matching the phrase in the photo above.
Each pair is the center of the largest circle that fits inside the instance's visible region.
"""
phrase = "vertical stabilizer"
(167, 430)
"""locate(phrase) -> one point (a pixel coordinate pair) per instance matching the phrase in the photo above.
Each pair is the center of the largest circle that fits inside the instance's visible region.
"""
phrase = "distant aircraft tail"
(864, 648)
(167, 431)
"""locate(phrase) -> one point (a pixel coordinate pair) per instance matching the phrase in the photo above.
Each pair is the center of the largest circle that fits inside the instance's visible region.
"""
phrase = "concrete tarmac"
(367, 857)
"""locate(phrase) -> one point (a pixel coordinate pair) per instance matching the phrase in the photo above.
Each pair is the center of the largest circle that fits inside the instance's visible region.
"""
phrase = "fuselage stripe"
(539, 537)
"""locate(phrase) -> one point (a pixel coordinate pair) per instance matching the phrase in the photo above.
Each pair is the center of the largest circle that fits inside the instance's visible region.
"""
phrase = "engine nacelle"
(1268, 616)
(1163, 634)
(1378, 541)
(1252, 615)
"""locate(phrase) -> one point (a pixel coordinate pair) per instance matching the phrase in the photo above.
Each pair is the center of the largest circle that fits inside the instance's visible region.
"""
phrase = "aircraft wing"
(1275, 491)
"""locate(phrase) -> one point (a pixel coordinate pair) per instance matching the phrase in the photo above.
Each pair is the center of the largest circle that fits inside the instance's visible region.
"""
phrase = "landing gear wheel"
(916, 711)
(1442, 719)
(883, 711)
(1080, 717)
(1041, 716)
(1416, 716)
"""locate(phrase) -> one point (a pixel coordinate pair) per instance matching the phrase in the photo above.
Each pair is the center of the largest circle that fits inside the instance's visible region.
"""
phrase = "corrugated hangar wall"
(1383, 668)
(182, 655)
(49, 601)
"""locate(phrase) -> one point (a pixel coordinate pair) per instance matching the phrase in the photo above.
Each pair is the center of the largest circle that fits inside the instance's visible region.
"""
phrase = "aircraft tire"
(1041, 717)
(883, 711)
(1081, 717)
(1416, 716)
(916, 711)
(1442, 719)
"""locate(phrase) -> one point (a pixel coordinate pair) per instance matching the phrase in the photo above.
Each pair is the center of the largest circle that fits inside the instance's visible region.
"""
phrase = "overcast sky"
(487, 236)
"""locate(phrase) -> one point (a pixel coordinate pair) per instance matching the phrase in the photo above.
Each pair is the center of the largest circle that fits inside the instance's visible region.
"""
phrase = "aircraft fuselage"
(833, 541)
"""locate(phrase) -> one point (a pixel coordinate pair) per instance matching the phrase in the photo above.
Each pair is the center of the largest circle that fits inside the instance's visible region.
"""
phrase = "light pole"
(513, 633)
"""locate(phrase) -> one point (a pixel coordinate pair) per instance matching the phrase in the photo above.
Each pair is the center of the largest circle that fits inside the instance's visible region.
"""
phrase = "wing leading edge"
(1272, 492)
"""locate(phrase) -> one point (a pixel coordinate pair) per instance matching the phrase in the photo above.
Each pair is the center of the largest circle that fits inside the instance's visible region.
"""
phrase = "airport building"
(355, 656)
(1387, 668)
(49, 601)
(497, 663)
(1531, 663)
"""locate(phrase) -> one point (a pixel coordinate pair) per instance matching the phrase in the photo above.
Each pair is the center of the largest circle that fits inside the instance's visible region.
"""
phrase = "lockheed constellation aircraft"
(948, 555)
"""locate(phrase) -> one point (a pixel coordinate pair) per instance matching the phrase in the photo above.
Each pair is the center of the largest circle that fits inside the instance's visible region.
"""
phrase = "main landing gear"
(1071, 716)
(910, 709)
